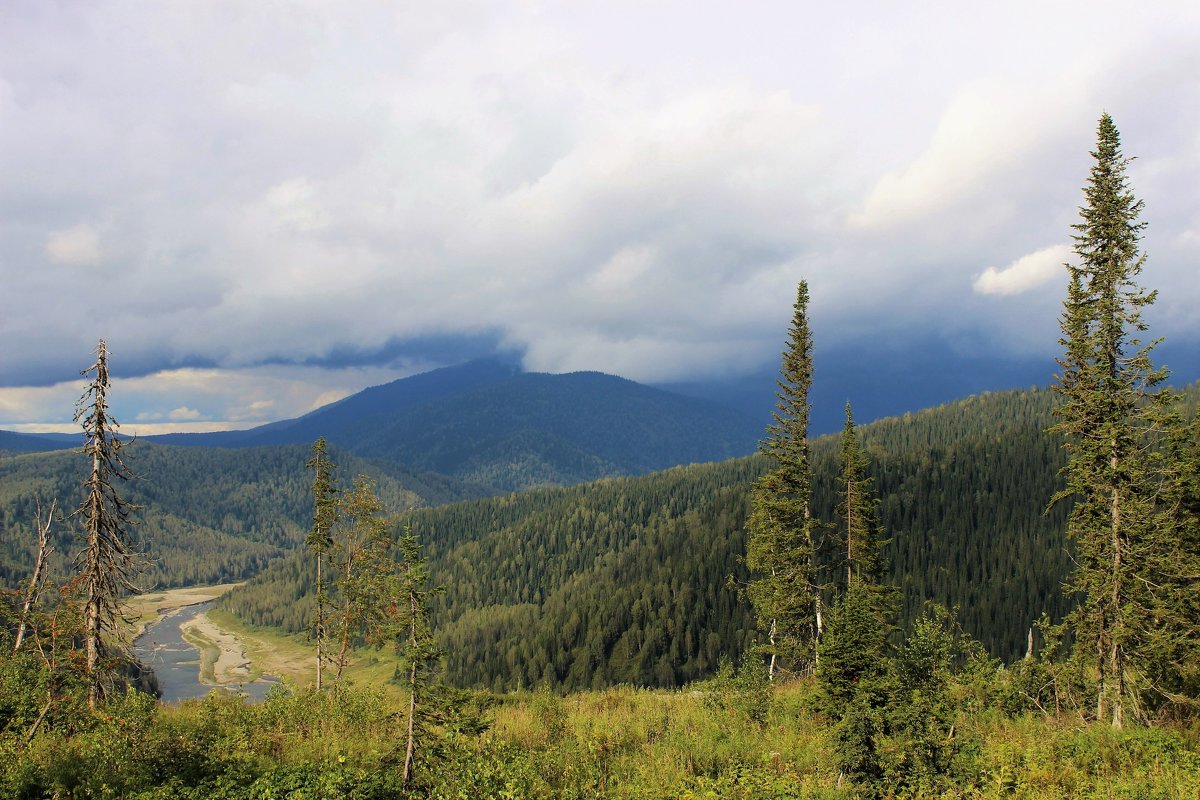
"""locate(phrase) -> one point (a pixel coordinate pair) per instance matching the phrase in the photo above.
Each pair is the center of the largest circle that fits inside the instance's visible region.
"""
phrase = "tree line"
(1130, 648)
(962, 489)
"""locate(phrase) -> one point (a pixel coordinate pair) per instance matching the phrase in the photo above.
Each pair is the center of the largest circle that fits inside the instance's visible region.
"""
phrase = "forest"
(562, 585)
(998, 597)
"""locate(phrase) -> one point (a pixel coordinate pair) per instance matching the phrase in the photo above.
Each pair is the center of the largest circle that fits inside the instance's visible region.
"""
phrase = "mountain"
(12, 443)
(628, 580)
(486, 422)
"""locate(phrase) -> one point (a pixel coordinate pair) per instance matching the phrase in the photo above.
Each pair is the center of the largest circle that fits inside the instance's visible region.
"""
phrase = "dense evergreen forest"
(628, 580)
(208, 514)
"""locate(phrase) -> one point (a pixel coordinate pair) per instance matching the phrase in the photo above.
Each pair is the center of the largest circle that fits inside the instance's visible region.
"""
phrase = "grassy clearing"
(292, 657)
(621, 743)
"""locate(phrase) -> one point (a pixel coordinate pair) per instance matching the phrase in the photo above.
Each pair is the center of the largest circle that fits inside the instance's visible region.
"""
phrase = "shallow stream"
(176, 663)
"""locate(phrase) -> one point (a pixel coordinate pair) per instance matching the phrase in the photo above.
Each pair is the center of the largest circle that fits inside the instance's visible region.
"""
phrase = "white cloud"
(77, 246)
(183, 413)
(294, 204)
(232, 398)
(1027, 272)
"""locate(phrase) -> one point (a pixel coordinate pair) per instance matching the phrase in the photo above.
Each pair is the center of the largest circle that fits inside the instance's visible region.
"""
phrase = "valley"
(625, 593)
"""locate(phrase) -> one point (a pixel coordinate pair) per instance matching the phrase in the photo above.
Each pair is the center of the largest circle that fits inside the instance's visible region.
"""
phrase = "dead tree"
(108, 562)
(37, 580)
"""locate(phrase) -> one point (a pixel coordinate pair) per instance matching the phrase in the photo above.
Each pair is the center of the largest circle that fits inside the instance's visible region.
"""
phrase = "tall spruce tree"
(854, 648)
(781, 549)
(858, 509)
(1108, 408)
(319, 542)
(427, 703)
(109, 562)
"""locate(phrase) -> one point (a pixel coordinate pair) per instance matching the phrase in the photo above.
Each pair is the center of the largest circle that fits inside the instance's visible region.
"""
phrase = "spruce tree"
(780, 548)
(858, 509)
(109, 562)
(1107, 409)
(854, 649)
(427, 703)
(320, 540)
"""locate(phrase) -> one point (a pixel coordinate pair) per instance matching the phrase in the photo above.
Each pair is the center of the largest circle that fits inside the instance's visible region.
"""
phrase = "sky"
(265, 206)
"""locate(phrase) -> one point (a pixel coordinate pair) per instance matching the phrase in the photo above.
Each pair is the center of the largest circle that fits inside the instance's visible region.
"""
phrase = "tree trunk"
(1116, 667)
(411, 746)
(91, 610)
(320, 624)
(771, 665)
(35, 582)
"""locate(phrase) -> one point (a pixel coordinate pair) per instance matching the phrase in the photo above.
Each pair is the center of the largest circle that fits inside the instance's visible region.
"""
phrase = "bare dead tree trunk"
(39, 566)
(410, 747)
(774, 655)
(108, 561)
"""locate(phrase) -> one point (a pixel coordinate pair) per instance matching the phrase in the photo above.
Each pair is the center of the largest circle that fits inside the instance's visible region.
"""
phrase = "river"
(176, 663)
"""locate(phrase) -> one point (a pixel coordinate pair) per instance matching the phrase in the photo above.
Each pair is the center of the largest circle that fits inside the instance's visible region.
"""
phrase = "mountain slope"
(624, 580)
(12, 443)
(209, 514)
(485, 422)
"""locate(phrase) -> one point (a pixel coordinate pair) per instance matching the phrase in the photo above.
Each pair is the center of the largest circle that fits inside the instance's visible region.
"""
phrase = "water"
(176, 663)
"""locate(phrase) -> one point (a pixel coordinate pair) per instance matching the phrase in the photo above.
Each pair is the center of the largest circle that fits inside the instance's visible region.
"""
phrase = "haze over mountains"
(488, 423)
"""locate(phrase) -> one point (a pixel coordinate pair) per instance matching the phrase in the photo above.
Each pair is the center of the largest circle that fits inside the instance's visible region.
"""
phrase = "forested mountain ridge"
(13, 443)
(486, 422)
(208, 514)
(625, 580)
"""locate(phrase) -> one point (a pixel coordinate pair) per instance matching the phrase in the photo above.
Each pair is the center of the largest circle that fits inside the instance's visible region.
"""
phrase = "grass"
(292, 657)
(622, 743)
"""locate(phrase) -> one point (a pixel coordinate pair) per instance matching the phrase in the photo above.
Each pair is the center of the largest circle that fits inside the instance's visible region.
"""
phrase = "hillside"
(209, 514)
(625, 580)
(13, 443)
(487, 423)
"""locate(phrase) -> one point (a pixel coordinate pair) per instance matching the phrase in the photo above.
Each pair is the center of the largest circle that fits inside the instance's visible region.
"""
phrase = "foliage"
(209, 515)
(319, 542)
(427, 706)
(858, 509)
(1130, 626)
(744, 692)
(780, 550)
(620, 743)
(854, 651)
(623, 580)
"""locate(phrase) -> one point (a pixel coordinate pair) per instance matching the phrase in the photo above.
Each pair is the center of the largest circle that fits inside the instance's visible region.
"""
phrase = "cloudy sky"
(263, 206)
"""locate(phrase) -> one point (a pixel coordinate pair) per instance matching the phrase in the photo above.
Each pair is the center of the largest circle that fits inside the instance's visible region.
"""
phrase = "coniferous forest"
(999, 597)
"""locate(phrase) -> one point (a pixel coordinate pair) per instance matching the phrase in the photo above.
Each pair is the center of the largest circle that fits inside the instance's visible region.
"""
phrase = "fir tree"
(858, 509)
(1107, 408)
(781, 547)
(427, 704)
(320, 540)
